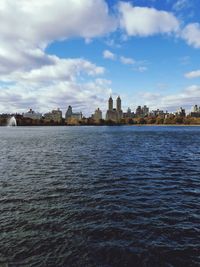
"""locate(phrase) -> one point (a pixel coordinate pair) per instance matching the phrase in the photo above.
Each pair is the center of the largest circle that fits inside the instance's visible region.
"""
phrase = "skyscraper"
(114, 114)
(110, 103)
(68, 113)
(97, 116)
(118, 104)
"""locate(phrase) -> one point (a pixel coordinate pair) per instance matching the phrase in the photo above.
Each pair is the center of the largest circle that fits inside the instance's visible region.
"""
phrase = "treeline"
(166, 121)
(173, 120)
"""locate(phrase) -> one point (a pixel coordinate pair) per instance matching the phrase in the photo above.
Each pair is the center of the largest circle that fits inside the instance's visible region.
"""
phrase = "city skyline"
(115, 111)
(115, 115)
(66, 52)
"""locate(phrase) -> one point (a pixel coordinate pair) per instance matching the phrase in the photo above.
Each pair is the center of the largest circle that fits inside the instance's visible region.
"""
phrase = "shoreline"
(131, 125)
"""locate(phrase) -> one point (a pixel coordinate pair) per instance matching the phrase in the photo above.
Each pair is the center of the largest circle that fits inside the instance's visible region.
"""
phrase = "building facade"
(195, 111)
(114, 114)
(32, 115)
(70, 115)
(97, 116)
(54, 115)
(180, 112)
(142, 111)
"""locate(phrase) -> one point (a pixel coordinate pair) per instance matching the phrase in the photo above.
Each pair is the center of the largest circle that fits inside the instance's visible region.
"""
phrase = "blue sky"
(57, 53)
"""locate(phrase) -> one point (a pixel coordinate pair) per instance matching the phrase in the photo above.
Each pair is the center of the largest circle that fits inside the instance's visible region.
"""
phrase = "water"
(100, 196)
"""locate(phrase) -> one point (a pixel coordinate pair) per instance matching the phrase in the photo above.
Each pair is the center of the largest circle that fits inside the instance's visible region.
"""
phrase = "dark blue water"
(100, 196)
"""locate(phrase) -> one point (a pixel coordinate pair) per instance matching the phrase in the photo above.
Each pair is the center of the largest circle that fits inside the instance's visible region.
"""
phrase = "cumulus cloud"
(186, 98)
(144, 21)
(54, 85)
(43, 21)
(27, 27)
(84, 96)
(61, 70)
(32, 78)
(127, 60)
(109, 55)
(193, 74)
(29, 77)
(191, 34)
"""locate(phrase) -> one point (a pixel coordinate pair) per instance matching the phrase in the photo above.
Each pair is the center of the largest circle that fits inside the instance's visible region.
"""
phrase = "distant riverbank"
(100, 125)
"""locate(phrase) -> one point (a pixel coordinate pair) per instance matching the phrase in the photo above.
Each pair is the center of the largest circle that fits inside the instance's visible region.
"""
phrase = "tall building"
(110, 103)
(118, 104)
(195, 108)
(195, 111)
(139, 111)
(70, 115)
(97, 116)
(180, 112)
(114, 114)
(145, 110)
(142, 111)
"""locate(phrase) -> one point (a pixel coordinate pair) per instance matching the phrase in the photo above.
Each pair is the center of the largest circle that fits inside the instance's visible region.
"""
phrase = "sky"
(56, 53)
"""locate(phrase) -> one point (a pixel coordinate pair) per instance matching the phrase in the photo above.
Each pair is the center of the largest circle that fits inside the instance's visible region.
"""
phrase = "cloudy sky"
(55, 53)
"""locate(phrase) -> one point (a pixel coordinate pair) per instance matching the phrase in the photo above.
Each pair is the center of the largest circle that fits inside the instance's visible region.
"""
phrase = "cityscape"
(100, 133)
(114, 116)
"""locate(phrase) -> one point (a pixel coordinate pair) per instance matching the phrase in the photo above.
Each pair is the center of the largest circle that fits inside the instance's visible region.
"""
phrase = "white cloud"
(84, 96)
(61, 70)
(150, 96)
(181, 4)
(47, 20)
(127, 60)
(191, 34)
(185, 98)
(193, 74)
(31, 78)
(109, 55)
(139, 66)
(144, 21)
(27, 27)
(142, 68)
(67, 81)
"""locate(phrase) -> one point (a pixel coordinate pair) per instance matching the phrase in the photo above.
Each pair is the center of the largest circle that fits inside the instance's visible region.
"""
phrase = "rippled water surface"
(100, 196)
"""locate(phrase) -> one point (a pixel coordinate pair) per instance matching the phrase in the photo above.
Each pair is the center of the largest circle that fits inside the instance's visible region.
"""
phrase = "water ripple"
(100, 196)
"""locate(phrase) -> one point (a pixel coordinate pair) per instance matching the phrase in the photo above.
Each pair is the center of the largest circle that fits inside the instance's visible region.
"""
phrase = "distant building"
(70, 115)
(54, 115)
(142, 111)
(195, 108)
(114, 114)
(157, 112)
(180, 112)
(138, 111)
(145, 110)
(32, 115)
(97, 116)
(195, 111)
(129, 114)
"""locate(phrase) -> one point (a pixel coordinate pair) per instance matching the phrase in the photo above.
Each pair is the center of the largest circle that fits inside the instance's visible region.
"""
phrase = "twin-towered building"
(114, 114)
